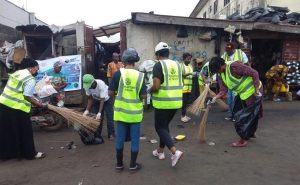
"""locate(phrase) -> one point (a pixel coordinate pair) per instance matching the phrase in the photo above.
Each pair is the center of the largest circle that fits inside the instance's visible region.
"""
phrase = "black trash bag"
(246, 120)
(90, 138)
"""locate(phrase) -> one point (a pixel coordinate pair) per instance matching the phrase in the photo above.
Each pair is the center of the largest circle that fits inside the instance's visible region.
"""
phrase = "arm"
(28, 92)
(89, 103)
(33, 101)
(156, 85)
(114, 85)
(223, 88)
(101, 104)
(157, 78)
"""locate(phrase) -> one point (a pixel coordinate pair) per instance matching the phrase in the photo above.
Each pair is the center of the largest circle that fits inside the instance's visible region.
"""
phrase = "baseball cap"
(160, 46)
(87, 81)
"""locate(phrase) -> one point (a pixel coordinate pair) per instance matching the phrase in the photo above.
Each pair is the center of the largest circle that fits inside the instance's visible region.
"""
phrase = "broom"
(202, 127)
(89, 124)
(220, 102)
(196, 107)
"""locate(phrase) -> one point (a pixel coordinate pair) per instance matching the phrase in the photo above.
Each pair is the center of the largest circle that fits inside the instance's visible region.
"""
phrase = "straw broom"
(196, 107)
(202, 126)
(220, 102)
(88, 124)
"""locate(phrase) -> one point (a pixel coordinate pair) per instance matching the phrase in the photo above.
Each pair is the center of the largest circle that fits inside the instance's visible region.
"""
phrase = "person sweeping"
(129, 89)
(244, 81)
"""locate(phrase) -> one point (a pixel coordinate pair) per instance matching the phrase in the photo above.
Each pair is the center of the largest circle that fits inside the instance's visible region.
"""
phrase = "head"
(199, 61)
(88, 82)
(217, 65)
(187, 57)
(130, 56)
(229, 48)
(31, 65)
(162, 50)
(57, 66)
(115, 57)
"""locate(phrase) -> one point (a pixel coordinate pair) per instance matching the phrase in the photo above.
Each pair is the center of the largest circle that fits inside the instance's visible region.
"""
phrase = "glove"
(214, 99)
(194, 73)
(86, 112)
(98, 116)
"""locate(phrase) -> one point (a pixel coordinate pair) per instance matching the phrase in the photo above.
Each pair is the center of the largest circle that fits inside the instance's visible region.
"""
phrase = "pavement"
(270, 159)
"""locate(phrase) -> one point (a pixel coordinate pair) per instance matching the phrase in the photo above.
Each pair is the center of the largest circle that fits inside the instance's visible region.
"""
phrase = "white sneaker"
(184, 119)
(176, 157)
(188, 118)
(160, 156)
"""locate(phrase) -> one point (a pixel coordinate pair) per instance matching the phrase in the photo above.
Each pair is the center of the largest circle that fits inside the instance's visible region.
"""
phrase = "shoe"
(111, 137)
(176, 157)
(98, 140)
(228, 118)
(239, 144)
(188, 118)
(40, 155)
(136, 168)
(119, 168)
(276, 99)
(160, 156)
(184, 119)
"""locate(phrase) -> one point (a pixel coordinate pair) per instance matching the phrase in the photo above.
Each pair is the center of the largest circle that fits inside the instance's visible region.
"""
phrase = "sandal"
(40, 155)
(239, 144)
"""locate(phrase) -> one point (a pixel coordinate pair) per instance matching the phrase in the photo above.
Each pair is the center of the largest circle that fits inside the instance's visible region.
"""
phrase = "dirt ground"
(272, 158)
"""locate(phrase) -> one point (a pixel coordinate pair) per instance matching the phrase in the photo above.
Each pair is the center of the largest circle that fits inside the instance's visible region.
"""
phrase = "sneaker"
(136, 168)
(119, 168)
(228, 118)
(176, 157)
(188, 118)
(160, 156)
(184, 119)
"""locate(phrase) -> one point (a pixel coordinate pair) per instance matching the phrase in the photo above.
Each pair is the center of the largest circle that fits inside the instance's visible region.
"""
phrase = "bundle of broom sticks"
(86, 123)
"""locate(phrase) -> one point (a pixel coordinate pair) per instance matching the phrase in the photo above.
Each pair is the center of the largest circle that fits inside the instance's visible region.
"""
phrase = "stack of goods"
(293, 77)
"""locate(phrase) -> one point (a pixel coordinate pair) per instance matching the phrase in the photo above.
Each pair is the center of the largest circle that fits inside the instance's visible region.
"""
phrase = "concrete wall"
(145, 37)
(12, 15)
(293, 5)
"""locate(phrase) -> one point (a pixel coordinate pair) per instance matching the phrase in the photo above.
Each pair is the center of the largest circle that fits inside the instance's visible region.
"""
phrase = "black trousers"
(163, 118)
(185, 101)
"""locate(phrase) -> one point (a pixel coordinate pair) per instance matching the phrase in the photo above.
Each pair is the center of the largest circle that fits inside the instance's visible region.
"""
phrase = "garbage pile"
(293, 77)
(12, 53)
(271, 14)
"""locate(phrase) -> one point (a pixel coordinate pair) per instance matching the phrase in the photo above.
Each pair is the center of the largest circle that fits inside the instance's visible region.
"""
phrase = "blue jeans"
(109, 112)
(122, 131)
(230, 102)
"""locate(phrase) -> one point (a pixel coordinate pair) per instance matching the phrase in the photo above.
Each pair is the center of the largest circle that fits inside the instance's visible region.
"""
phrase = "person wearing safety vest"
(187, 74)
(128, 88)
(166, 99)
(244, 81)
(16, 136)
(204, 76)
(235, 55)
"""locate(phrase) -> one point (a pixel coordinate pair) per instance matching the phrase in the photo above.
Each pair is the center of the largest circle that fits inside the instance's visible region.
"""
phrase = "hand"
(194, 73)
(86, 112)
(98, 116)
(214, 99)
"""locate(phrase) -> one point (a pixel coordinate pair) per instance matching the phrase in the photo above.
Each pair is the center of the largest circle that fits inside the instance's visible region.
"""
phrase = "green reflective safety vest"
(237, 56)
(242, 86)
(187, 81)
(169, 95)
(128, 107)
(200, 79)
(12, 95)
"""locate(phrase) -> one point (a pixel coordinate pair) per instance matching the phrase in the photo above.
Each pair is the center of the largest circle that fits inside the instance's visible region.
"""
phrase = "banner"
(70, 72)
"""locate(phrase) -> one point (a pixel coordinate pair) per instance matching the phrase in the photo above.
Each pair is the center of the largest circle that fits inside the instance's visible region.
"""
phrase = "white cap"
(161, 45)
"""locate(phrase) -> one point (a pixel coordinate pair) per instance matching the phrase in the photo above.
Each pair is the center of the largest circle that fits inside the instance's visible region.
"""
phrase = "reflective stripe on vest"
(187, 81)
(128, 107)
(200, 80)
(237, 56)
(242, 86)
(169, 95)
(12, 95)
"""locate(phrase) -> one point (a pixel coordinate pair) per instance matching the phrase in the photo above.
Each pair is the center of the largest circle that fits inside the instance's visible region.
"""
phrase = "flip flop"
(40, 155)
(239, 144)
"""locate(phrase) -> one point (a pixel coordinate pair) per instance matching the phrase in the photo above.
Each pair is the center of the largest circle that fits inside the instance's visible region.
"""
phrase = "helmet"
(130, 55)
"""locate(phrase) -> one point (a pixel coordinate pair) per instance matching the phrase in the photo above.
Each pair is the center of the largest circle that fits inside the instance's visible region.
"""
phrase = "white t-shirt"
(101, 91)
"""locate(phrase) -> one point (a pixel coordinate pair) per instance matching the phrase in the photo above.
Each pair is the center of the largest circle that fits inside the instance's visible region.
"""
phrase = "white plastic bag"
(44, 88)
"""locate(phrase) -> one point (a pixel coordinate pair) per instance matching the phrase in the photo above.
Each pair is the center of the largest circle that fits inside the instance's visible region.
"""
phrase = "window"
(215, 6)
(226, 2)
(204, 15)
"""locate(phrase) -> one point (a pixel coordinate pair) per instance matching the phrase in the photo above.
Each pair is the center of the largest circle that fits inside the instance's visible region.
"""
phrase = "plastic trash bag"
(246, 120)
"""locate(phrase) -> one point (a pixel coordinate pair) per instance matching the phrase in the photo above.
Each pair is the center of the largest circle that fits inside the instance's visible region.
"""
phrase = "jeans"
(185, 99)
(162, 119)
(122, 131)
(109, 111)
(230, 102)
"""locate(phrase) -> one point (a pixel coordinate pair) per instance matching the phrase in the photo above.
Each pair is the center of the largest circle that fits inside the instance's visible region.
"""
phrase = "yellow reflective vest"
(237, 56)
(128, 107)
(12, 95)
(200, 79)
(187, 81)
(169, 95)
(243, 86)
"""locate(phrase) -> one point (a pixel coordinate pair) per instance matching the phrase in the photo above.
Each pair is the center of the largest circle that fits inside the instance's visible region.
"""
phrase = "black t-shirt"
(114, 84)
(158, 73)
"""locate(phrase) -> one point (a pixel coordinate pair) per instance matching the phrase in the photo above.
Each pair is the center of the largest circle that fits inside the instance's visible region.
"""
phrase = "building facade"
(221, 9)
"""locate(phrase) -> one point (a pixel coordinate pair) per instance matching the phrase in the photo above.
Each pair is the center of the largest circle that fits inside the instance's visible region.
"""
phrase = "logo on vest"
(127, 81)
(128, 86)
(173, 75)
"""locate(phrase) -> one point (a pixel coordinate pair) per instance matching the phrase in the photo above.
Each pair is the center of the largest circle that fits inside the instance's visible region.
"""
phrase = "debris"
(51, 148)
(180, 126)
(62, 147)
(143, 138)
(211, 143)
(95, 165)
(153, 141)
(180, 137)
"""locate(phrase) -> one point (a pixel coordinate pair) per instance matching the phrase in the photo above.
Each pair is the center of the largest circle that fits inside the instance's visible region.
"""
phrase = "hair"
(163, 53)
(28, 63)
(215, 64)
(185, 55)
